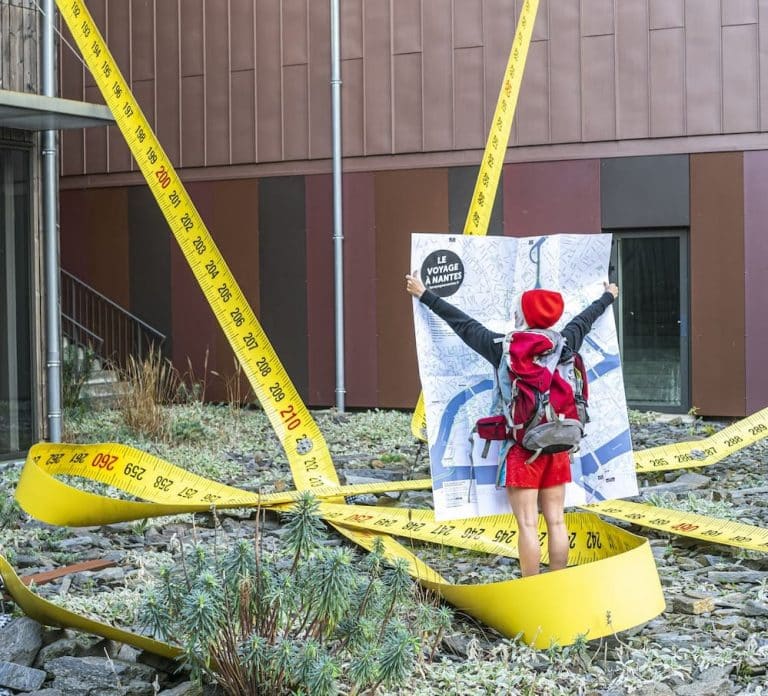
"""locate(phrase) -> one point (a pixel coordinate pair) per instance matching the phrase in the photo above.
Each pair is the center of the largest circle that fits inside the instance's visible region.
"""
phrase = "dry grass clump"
(152, 384)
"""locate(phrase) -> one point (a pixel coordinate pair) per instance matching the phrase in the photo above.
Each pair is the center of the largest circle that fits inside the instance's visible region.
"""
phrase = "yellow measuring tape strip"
(491, 165)
(606, 557)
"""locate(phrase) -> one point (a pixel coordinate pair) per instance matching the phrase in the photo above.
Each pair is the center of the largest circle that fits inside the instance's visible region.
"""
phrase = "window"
(17, 415)
(651, 269)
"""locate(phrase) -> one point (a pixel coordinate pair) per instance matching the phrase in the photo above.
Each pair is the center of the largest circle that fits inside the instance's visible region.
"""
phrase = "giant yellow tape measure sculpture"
(611, 586)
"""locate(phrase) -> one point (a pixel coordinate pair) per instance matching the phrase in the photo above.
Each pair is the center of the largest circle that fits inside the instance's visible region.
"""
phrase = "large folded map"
(484, 276)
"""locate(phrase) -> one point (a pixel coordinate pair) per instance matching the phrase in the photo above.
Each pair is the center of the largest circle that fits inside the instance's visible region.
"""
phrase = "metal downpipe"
(49, 195)
(338, 236)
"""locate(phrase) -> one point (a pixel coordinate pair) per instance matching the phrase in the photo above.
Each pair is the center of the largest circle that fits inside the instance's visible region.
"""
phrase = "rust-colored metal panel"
(142, 39)
(406, 202)
(294, 22)
(243, 117)
(597, 17)
(168, 80)
(321, 342)
(598, 105)
(144, 91)
(352, 108)
(192, 38)
(217, 86)
(469, 128)
(718, 366)
(565, 72)
(94, 240)
(467, 23)
(667, 60)
(551, 197)
(283, 272)
(351, 28)
(295, 112)
(269, 99)
(632, 70)
(319, 80)
(541, 27)
(409, 114)
(406, 26)
(377, 78)
(360, 323)
(533, 107)
(118, 17)
(73, 232)
(95, 139)
(740, 79)
(668, 14)
(755, 278)
(739, 12)
(703, 74)
(192, 123)
(234, 225)
(437, 83)
(72, 142)
(241, 34)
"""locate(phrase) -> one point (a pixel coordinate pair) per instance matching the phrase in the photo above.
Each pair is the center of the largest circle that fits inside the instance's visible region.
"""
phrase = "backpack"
(541, 398)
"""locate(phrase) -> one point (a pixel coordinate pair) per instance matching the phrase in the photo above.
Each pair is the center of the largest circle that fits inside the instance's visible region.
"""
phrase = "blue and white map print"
(484, 276)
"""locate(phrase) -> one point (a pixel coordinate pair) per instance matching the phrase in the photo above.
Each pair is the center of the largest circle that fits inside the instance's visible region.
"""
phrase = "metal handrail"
(122, 334)
(94, 340)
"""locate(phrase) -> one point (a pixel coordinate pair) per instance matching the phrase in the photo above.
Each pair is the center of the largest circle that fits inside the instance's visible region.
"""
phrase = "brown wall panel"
(666, 14)
(192, 33)
(360, 330)
(243, 117)
(703, 71)
(632, 69)
(438, 82)
(740, 79)
(71, 81)
(406, 26)
(94, 240)
(407, 101)
(217, 86)
(739, 12)
(499, 25)
(296, 112)
(321, 342)
(233, 223)
(565, 64)
(667, 79)
(118, 18)
(469, 129)
(241, 34)
(763, 58)
(406, 202)
(551, 197)
(351, 28)
(294, 23)
(598, 105)
(143, 40)
(532, 115)
(467, 23)
(597, 17)
(717, 284)
(168, 124)
(319, 115)
(269, 96)
(95, 138)
(192, 121)
(377, 76)
(755, 278)
(195, 330)
(352, 109)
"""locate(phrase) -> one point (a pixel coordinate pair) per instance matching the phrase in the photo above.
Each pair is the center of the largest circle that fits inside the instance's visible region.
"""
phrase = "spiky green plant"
(308, 619)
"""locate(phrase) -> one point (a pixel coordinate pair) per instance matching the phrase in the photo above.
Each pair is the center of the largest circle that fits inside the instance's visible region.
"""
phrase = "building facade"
(645, 119)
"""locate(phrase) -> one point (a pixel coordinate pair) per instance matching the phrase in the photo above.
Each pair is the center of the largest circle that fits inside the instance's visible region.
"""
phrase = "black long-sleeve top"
(487, 343)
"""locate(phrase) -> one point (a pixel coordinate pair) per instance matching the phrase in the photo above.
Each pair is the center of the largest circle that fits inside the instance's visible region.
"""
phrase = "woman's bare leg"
(552, 501)
(524, 502)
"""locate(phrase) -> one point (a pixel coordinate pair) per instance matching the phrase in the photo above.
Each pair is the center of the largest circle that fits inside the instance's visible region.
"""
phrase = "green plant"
(152, 384)
(77, 365)
(305, 620)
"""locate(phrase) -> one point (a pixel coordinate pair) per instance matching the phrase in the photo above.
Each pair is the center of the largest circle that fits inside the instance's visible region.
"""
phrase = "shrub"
(305, 620)
(77, 365)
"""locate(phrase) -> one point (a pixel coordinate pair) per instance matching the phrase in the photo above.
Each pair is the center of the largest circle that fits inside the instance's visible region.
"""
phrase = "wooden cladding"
(19, 46)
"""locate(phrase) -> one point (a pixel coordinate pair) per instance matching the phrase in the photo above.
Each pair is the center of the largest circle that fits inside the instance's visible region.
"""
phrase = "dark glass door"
(16, 363)
(651, 269)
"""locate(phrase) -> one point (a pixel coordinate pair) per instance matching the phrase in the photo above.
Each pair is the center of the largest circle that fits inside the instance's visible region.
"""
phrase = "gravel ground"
(685, 651)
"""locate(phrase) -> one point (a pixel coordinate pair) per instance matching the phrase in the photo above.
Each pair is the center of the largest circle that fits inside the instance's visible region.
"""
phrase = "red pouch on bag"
(492, 427)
